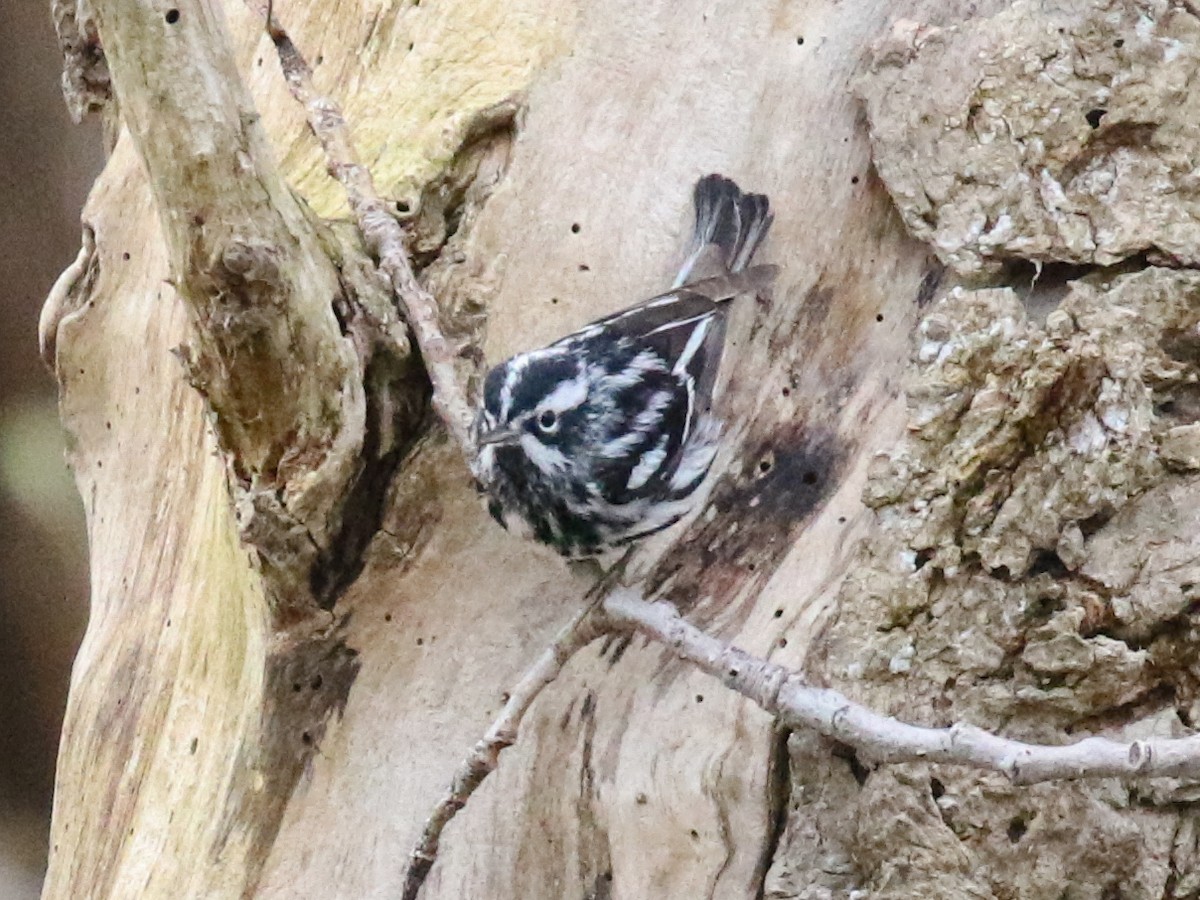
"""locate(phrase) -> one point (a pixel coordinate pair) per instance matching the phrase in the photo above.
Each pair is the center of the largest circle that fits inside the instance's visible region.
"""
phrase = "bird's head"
(535, 404)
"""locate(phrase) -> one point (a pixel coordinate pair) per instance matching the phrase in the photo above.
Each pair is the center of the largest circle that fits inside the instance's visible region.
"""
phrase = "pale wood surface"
(564, 813)
(625, 783)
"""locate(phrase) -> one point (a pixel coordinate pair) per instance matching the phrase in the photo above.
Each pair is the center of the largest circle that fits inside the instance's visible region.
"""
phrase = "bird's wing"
(684, 326)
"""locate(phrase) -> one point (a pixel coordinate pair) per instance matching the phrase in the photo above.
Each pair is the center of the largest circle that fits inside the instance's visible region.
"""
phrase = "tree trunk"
(302, 618)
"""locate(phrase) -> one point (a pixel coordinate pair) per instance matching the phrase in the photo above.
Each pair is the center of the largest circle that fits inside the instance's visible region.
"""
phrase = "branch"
(246, 260)
(485, 756)
(381, 233)
(784, 694)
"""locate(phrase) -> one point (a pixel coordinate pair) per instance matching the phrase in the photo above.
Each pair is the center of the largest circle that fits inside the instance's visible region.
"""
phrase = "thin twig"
(382, 234)
(784, 694)
(485, 756)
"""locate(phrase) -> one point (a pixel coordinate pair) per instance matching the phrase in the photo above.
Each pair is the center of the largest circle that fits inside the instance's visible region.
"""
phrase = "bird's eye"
(548, 421)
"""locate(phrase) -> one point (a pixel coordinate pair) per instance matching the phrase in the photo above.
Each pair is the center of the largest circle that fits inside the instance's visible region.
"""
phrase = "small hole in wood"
(854, 179)
(420, 642)
(694, 833)
(306, 739)
(195, 744)
(783, 642)
(879, 317)
(125, 256)
(172, 16)
(402, 206)
(699, 698)
(1095, 116)
(575, 228)
(764, 466)
(779, 613)
(387, 617)
(583, 267)
(295, 687)
(1119, 43)
(1016, 829)
(799, 42)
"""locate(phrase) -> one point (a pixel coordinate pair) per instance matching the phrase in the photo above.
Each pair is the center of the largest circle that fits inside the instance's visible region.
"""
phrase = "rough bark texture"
(271, 706)
(1034, 564)
(1062, 131)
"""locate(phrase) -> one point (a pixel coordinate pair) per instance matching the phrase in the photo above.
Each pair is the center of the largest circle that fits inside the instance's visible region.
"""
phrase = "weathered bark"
(302, 619)
(1034, 567)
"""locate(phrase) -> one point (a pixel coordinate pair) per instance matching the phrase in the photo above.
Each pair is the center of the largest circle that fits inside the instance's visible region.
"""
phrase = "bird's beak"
(499, 436)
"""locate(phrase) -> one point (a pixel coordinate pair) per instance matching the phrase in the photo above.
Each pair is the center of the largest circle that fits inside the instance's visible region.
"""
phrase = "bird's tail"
(730, 225)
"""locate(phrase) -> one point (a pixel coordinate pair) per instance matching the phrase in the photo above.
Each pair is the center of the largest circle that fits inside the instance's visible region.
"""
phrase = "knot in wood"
(250, 261)
(1141, 755)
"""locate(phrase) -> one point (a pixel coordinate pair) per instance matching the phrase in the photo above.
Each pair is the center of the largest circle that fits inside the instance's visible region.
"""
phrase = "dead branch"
(784, 694)
(381, 233)
(245, 258)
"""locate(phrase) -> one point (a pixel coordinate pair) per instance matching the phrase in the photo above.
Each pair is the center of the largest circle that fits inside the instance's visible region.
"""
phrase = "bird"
(605, 436)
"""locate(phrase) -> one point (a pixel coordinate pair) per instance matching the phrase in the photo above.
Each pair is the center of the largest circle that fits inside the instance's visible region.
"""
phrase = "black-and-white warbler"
(604, 436)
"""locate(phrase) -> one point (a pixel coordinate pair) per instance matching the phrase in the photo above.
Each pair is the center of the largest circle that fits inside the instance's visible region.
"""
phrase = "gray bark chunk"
(1050, 132)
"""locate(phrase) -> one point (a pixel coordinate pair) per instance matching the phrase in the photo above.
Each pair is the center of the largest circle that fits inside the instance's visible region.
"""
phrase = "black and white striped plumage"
(604, 436)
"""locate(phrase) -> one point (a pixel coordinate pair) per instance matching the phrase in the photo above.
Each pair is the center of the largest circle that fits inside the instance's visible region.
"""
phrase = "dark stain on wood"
(293, 726)
(787, 476)
(595, 861)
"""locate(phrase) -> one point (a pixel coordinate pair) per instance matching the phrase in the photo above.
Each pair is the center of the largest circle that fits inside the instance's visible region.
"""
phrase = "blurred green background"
(46, 166)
